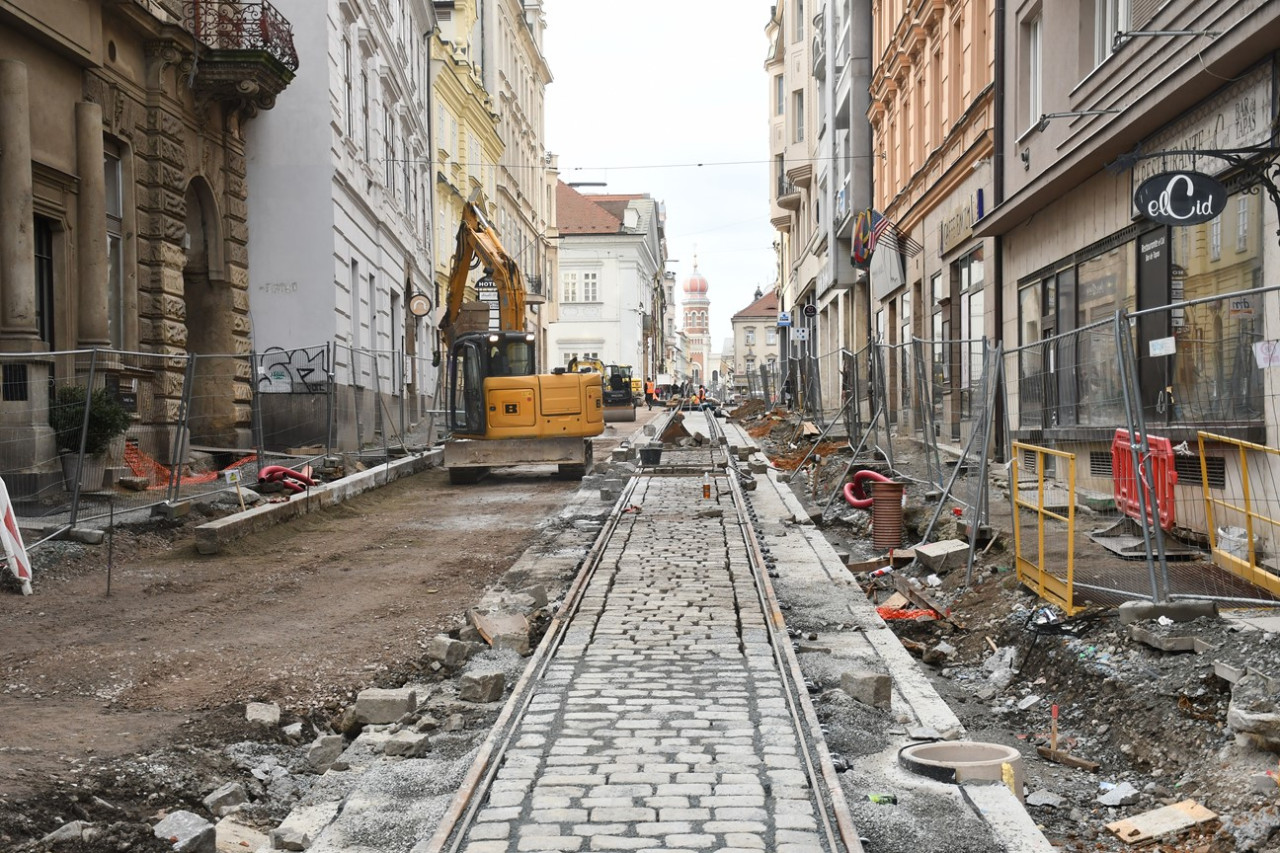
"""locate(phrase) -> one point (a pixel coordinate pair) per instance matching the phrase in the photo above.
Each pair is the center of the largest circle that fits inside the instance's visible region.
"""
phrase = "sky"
(641, 94)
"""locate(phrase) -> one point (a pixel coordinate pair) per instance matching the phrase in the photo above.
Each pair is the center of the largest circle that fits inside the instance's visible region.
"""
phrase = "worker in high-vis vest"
(648, 393)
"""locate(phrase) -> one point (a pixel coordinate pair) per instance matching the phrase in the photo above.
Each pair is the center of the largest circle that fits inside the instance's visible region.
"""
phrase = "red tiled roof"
(580, 214)
(765, 306)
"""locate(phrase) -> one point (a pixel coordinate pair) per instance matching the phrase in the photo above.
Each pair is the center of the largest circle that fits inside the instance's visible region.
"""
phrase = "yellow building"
(468, 147)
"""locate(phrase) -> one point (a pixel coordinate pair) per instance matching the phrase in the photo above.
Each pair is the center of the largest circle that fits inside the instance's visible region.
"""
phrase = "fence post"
(179, 443)
(84, 437)
(330, 354)
(1140, 449)
(255, 410)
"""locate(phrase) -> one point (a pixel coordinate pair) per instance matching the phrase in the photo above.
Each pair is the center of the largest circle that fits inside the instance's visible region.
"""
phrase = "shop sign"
(957, 226)
(1180, 198)
(784, 318)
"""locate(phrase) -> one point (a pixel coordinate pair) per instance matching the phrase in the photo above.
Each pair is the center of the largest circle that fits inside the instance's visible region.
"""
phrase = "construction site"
(369, 672)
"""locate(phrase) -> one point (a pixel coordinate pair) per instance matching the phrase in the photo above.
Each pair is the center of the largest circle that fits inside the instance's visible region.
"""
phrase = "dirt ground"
(119, 708)
(93, 687)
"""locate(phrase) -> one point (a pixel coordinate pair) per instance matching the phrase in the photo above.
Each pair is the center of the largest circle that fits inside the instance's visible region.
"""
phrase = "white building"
(341, 218)
(611, 261)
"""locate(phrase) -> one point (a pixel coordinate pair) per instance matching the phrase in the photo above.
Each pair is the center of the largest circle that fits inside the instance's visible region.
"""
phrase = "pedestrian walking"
(702, 396)
(648, 392)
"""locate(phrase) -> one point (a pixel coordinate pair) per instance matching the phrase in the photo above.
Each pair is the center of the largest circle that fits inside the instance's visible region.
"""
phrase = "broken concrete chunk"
(408, 744)
(502, 630)
(1046, 799)
(448, 651)
(481, 686)
(188, 832)
(73, 831)
(868, 687)
(941, 653)
(293, 731)
(1123, 794)
(325, 750)
(265, 713)
(1254, 712)
(302, 826)
(226, 798)
(379, 706)
(941, 557)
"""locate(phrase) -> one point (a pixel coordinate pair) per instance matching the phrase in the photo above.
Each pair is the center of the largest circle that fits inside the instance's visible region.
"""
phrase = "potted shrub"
(108, 419)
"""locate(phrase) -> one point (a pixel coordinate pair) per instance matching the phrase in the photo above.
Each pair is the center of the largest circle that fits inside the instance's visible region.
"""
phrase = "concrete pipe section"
(962, 761)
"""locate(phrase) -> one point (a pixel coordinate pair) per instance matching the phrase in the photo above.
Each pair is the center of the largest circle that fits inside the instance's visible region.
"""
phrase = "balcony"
(788, 194)
(249, 57)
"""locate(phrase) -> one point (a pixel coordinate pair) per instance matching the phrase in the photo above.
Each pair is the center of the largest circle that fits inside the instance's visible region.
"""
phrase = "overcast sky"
(643, 92)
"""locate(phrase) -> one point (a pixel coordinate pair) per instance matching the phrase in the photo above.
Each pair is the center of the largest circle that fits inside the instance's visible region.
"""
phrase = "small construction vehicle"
(619, 399)
(499, 409)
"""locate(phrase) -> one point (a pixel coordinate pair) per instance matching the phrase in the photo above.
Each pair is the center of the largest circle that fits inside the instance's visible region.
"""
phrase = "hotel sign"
(1180, 198)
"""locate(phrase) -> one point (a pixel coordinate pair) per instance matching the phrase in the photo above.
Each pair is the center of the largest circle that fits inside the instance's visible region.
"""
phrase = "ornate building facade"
(123, 204)
(697, 327)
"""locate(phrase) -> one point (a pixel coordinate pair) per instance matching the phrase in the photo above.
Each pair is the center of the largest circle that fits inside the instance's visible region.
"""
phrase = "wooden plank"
(859, 566)
(923, 599)
(1060, 757)
(1158, 823)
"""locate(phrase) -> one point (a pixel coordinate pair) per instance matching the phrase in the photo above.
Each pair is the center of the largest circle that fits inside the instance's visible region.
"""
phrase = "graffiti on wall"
(304, 370)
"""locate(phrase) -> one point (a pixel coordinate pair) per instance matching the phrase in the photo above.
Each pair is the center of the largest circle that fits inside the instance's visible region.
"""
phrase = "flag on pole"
(15, 553)
(885, 231)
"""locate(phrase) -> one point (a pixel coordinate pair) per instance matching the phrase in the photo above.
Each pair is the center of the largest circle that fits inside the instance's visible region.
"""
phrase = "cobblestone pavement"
(662, 722)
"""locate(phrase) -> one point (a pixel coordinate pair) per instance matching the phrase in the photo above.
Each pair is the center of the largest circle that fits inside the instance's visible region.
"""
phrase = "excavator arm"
(477, 240)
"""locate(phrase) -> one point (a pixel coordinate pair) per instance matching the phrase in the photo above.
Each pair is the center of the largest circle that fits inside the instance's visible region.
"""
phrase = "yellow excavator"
(619, 400)
(499, 409)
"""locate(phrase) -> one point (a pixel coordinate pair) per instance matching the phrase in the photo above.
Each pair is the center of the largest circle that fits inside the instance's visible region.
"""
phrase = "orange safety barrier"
(1130, 492)
(143, 465)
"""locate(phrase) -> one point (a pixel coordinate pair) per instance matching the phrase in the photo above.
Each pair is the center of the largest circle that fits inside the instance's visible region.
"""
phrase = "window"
(389, 148)
(779, 95)
(749, 336)
(798, 29)
(1215, 238)
(1109, 18)
(348, 100)
(770, 337)
(569, 287)
(798, 116)
(590, 287)
(1034, 70)
(44, 279)
(1242, 223)
(364, 110)
(114, 186)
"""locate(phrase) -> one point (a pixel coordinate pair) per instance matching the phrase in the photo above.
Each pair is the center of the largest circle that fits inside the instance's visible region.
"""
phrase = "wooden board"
(1151, 825)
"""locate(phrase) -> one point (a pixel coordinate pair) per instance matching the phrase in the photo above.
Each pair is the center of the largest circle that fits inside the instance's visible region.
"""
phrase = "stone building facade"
(123, 220)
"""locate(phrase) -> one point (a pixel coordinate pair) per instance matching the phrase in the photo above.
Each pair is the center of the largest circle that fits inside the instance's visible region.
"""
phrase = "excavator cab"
(495, 391)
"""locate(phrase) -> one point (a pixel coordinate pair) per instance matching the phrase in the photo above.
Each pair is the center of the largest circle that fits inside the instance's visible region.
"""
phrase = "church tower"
(697, 326)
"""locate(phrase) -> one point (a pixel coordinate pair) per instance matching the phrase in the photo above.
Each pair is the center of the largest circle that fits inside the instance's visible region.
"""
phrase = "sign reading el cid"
(1180, 198)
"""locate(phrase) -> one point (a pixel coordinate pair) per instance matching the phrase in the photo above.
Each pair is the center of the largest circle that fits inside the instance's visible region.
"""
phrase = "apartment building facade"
(1097, 100)
(932, 114)
(342, 224)
(611, 264)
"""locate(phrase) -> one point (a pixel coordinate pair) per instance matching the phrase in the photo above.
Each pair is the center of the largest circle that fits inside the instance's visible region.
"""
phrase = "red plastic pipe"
(854, 493)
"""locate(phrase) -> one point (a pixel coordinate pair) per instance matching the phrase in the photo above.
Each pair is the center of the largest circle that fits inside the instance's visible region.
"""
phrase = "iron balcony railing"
(223, 25)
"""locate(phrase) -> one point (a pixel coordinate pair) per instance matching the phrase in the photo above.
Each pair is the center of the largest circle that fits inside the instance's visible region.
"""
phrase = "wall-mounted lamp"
(1122, 36)
(1045, 118)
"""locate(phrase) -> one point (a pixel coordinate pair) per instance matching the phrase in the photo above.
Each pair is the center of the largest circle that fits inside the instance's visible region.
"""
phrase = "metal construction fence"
(1173, 414)
(90, 434)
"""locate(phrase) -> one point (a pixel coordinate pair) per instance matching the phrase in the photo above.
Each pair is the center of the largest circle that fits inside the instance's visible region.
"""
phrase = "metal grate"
(1100, 464)
(1188, 468)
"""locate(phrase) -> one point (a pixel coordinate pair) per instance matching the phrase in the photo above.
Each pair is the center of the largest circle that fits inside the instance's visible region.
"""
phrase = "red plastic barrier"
(1131, 495)
(854, 493)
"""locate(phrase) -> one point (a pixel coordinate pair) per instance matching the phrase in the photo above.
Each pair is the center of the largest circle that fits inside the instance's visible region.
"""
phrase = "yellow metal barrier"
(1036, 575)
(1243, 564)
